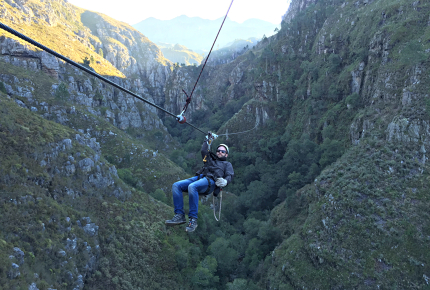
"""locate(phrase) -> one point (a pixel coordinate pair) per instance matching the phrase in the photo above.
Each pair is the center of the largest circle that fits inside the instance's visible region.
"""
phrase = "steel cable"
(189, 98)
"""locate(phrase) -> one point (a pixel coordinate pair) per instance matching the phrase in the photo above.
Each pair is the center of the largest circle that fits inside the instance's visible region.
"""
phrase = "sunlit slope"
(180, 54)
(111, 47)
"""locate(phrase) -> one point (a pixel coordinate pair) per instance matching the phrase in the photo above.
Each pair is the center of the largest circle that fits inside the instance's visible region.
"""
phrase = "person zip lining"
(215, 174)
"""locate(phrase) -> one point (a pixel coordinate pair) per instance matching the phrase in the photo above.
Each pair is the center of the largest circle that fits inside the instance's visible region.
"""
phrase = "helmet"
(226, 147)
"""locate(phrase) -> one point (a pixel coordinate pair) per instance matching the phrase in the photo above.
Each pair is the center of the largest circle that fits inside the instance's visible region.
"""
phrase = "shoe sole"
(189, 230)
(174, 224)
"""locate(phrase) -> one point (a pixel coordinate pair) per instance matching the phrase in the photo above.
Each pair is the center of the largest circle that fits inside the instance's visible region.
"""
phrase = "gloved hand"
(210, 137)
(221, 182)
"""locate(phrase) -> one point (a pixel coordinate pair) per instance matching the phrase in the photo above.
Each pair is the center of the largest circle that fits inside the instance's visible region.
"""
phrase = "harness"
(209, 185)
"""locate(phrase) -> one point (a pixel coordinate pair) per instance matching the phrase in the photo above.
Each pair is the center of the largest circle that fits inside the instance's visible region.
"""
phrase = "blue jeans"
(194, 186)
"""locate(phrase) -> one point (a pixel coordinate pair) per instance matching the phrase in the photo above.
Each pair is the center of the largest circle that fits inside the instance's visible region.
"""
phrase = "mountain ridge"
(198, 33)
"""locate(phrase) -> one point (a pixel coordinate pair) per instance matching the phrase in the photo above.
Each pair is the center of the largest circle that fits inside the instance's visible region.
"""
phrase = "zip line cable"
(189, 97)
(35, 43)
(226, 134)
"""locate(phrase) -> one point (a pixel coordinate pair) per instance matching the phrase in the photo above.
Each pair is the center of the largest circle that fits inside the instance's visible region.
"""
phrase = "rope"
(226, 134)
(220, 203)
(189, 98)
(35, 43)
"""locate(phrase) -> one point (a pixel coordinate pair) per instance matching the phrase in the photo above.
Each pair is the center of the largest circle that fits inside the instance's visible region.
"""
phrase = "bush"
(354, 100)
(62, 92)
(413, 53)
(334, 62)
(126, 175)
(159, 195)
(2, 88)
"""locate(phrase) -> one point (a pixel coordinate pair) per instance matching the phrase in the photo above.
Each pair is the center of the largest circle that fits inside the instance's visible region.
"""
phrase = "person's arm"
(229, 173)
(228, 176)
(205, 148)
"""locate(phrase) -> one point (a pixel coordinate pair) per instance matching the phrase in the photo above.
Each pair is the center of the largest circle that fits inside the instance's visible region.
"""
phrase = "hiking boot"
(192, 225)
(178, 219)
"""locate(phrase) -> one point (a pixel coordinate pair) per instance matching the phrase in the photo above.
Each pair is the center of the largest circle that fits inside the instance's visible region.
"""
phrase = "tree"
(100, 52)
(354, 100)
(295, 179)
(331, 150)
(257, 197)
(253, 254)
(225, 255)
(62, 92)
(3, 88)
(237, 284)
(158, 194)
(86, 62)
(334, 62)
(204, 275)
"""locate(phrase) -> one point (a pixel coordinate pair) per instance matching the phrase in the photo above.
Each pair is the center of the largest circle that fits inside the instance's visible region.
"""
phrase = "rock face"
(295, 7)
(22, 55)
(14, 271)
(129, 51)
(120, 109)
(124, 47)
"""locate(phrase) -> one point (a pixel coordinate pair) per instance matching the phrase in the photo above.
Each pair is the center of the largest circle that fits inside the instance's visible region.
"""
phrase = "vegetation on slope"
(352, 216)
(179, 54)
(61, 37)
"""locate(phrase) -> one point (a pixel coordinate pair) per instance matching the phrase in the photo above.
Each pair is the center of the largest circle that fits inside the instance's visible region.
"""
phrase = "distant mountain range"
(179, 54)
(198, 34)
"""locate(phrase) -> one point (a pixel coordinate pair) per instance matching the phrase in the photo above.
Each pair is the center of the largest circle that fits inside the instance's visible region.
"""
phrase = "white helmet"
(226, 147)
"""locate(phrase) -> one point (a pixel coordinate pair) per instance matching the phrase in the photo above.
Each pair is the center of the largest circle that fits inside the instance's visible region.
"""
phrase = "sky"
(134, 11)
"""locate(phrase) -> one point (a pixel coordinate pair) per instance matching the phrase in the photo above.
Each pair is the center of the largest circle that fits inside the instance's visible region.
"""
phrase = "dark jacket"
(215, 167)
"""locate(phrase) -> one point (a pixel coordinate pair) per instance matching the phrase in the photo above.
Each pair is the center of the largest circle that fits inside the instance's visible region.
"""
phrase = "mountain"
(328, 130)
(180, 54)
(231, 51)
(199, 34)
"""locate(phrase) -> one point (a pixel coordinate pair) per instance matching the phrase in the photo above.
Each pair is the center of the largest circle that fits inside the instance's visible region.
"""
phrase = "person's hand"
(210, 136)
(221, 182)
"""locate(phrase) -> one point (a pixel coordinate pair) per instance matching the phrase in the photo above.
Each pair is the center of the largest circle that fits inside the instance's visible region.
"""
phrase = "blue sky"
(134, 11)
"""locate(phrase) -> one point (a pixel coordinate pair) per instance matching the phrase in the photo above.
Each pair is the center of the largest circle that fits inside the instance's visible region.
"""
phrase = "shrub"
(62, 92)
(334, 62)
(126, 175)
(354, 100)
(413, 53)
(2, 88)
(159, 195)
